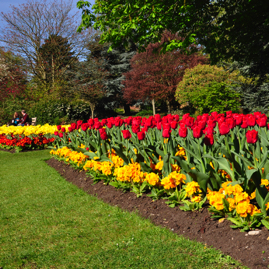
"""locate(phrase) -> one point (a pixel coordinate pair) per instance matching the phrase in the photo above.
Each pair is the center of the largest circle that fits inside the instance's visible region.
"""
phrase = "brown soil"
(251, 250)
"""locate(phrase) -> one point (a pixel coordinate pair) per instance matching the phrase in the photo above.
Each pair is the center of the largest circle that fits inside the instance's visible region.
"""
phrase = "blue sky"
(5, 7)
(5, 4)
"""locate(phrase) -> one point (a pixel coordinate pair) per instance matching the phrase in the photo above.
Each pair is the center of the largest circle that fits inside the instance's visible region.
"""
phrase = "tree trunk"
(52, 72)
(153, 106)
(92, 106)
(127, 109)
(168, 107)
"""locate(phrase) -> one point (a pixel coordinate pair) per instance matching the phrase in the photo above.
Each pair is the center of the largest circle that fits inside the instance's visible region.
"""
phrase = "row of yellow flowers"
(29, 130)
(234, 195)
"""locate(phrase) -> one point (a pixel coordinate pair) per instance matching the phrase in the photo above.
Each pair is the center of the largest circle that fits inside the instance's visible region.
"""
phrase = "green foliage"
(59, 111)
(10, 106)
(228, 29)
(208, 88)
(144, 113)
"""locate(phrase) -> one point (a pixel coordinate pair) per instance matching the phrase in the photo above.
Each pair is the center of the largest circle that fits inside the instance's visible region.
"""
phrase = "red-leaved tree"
(155, 75)
(12, 76)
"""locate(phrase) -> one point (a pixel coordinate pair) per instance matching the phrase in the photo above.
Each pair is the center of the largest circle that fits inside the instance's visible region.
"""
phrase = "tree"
(87, 79)
(87, 82)
(14, 91)
(207, 88)
(155, 76)
(229, 30)
(13, 77)
(115, 63)
(30, 24)
(55, 58)
(253, 88)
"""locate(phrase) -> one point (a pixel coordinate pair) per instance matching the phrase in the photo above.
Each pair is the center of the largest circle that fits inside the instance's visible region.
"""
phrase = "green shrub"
(10, 106)
(206, 88)
(59, 111)
(144, 113)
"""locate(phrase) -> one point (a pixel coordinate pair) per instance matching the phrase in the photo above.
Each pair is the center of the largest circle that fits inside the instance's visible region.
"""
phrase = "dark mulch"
(251, 250)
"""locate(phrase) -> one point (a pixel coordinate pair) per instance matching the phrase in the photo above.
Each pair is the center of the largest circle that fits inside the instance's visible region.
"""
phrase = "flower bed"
(26, 137)
(219, 158)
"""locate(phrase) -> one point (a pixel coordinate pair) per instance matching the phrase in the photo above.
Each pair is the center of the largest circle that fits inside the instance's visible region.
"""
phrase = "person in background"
(16, 119)
(24, 119)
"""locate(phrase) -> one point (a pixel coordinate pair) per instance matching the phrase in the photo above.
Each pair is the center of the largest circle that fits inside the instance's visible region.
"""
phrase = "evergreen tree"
(115, 63)
(254, 88)
(56, 56)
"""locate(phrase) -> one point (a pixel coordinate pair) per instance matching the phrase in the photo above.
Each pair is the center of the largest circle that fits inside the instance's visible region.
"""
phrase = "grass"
(46, 222)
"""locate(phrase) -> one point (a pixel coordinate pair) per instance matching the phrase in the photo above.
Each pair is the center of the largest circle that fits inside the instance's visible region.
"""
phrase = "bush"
(10, 106)
(59, 111)
(144, 113)
(206, 89)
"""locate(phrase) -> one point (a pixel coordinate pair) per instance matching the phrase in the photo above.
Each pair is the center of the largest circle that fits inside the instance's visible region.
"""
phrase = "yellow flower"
(152, 179)
(242, 208)
(192, 188)
(159, 166)
(196, 199)
(172, 180)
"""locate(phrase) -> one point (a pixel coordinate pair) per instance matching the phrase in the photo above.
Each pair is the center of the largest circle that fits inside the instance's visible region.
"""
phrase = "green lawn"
(46, 222)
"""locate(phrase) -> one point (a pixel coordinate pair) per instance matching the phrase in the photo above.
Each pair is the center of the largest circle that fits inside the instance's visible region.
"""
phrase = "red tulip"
(145, 129)
(224, 128)
(59, 127)
(202, 124)
(244, 125)
(166, 126)
(211, 124)
(118, 122)
(73, 126)
(97, 125)
(91, 122)
(189, 121)
(238, 119)
(103, 133)
(136, 128)
(157, 117)
(61, 135)
(126, 134)
(262, 121)
(197, 132)
(104, 122)
(79, 123)
(141, 135)
(252, 136)
(109, 125)
(63, 129)
(208, 131)
(251, 120)
(70, 129)
(229, 114)
(166, 133)
(84, 127)
(159, 126)
(209, 139)
(56, 133)
(173, 125)
(182, 131)
(230, 122)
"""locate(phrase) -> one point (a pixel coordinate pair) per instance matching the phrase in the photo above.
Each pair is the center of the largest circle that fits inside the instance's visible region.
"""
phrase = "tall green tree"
(56, 56)
(114, 63)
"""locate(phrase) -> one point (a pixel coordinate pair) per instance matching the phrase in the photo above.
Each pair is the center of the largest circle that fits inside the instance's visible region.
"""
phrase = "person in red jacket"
(25, 118)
